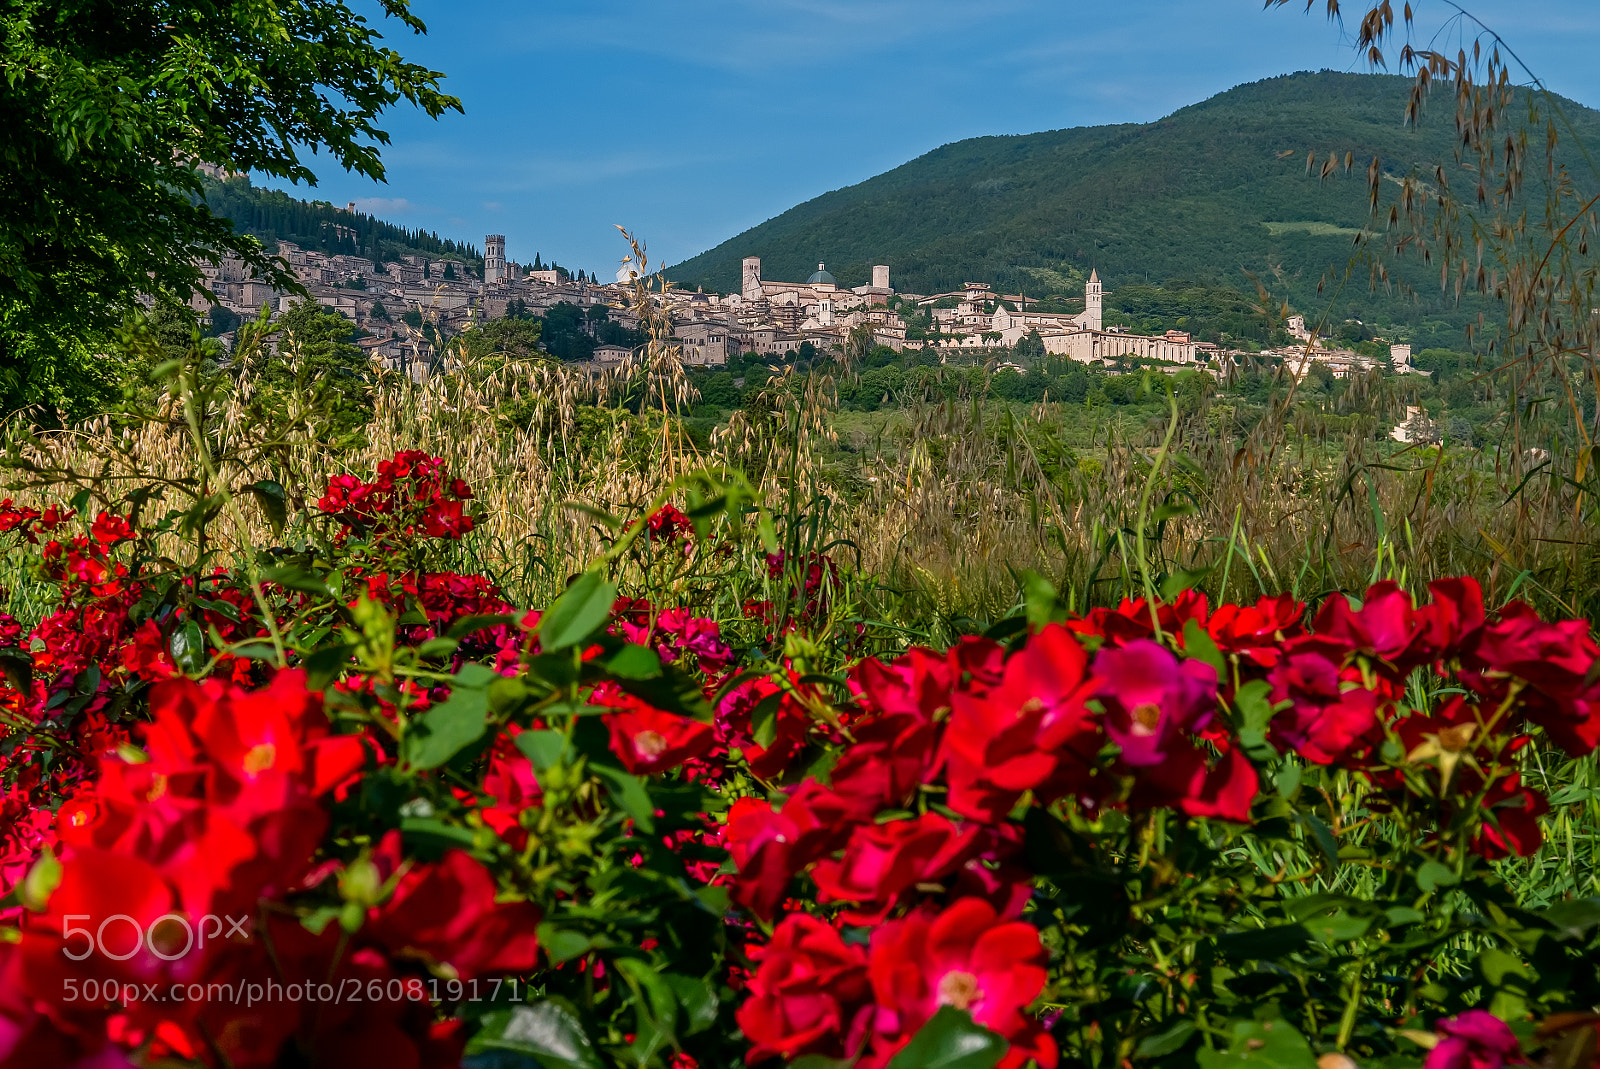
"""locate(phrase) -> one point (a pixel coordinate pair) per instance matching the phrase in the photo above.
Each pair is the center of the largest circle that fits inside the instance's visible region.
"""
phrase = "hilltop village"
(404, 311)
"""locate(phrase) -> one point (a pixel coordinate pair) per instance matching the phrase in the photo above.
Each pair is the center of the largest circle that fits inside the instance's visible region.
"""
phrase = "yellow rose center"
(959, 989)
(260, 758)
(1146, 718)
(649, 744)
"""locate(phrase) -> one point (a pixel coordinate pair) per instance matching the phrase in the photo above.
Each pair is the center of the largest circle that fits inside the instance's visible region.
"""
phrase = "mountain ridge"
(1189, 196)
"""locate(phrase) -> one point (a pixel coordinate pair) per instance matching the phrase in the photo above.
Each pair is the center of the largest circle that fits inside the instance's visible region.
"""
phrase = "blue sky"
(691, 120)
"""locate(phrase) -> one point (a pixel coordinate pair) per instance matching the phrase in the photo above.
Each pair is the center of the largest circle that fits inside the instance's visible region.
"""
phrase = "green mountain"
(1211, 194)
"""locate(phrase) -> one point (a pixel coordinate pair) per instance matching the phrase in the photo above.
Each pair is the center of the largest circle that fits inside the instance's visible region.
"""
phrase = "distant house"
(703, 344)
(1416, 428)
(610, 355)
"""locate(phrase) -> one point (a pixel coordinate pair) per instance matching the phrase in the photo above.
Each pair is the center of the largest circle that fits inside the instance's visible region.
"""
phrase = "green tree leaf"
(544, 748)
(578, 613)
(628, 791)
(549, 1031)
(1261, 1045)
(444, 730)
(951, 1040)
(1165, 1042)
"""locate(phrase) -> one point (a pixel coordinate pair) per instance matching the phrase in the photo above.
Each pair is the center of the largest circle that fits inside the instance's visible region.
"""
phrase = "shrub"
(600, 834)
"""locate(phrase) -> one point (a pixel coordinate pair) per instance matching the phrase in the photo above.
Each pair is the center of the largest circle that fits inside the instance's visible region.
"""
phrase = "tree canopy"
(107, 107)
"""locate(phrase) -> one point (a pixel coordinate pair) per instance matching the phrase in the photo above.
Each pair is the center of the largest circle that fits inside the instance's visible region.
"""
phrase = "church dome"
(822, 277)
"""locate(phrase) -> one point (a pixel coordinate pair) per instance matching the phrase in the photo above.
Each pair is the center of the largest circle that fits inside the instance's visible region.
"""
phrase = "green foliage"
(274, 216)
(108, 107)
(510, 337)
(1212, 313)
(313, 371)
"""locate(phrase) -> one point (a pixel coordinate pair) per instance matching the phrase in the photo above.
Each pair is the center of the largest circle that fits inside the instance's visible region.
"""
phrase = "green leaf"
(1163, 1043)
(549, 1031)
(1042, 599)
(1395, 916)
(473, 674)
(436, 649)
(188, 648)
(1261, 1045)
(628, 792)
(672, 691)
(1324, 837)
(660, 1006)
(767, 532)
(1574, 918)
(578, 613)
(1202, 647)
(1253, 709)
(818, 1061)
(292, 577)
(951, 1040)
(634, 662)
(443, 731)
(1498, 966)
(560, 944)
(444, 834)
(324, 664)
(274, 502)
(1181, 580)
(1338, 926)
(1432, 875)
(17, 667)
(764, 720)
(1173, 511)
(470, 624)
(544, 748)
(698, 997)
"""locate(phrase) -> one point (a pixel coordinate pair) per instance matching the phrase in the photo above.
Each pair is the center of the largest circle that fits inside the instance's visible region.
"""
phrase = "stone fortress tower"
(494, 259)
(880, 277)
(752, 278)
(1093, 302)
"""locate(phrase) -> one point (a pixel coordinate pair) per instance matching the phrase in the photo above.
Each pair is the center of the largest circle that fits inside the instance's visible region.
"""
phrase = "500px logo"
(169, 937)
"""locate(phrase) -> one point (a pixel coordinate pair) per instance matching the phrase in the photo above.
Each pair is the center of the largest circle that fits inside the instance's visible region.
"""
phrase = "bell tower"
(494, 258)
(1093, 302)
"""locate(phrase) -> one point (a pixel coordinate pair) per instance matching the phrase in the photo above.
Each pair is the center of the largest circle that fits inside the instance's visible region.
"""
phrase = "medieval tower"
(494, 258)
(752, 278)
(1093, 302)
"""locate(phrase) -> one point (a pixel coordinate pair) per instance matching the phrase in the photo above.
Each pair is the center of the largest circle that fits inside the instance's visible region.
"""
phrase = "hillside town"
(404, 310)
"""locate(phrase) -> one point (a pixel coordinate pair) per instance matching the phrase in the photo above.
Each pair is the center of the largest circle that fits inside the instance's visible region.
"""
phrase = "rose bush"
(340, 804)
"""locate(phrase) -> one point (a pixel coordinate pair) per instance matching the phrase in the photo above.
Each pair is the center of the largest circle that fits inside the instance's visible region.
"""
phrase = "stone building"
(494, 259)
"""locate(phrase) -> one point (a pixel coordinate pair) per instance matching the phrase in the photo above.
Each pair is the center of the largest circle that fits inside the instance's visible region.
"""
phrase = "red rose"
(809, 995)
(1256, 633)
(1033, 730)
(649, 741)
(966, 957)
(1556, 661)
(769, 846)
(890, 758)
(1326, 722)
(446, 913)
(1153, 700)
(1185, 781)
(1475, 1039)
